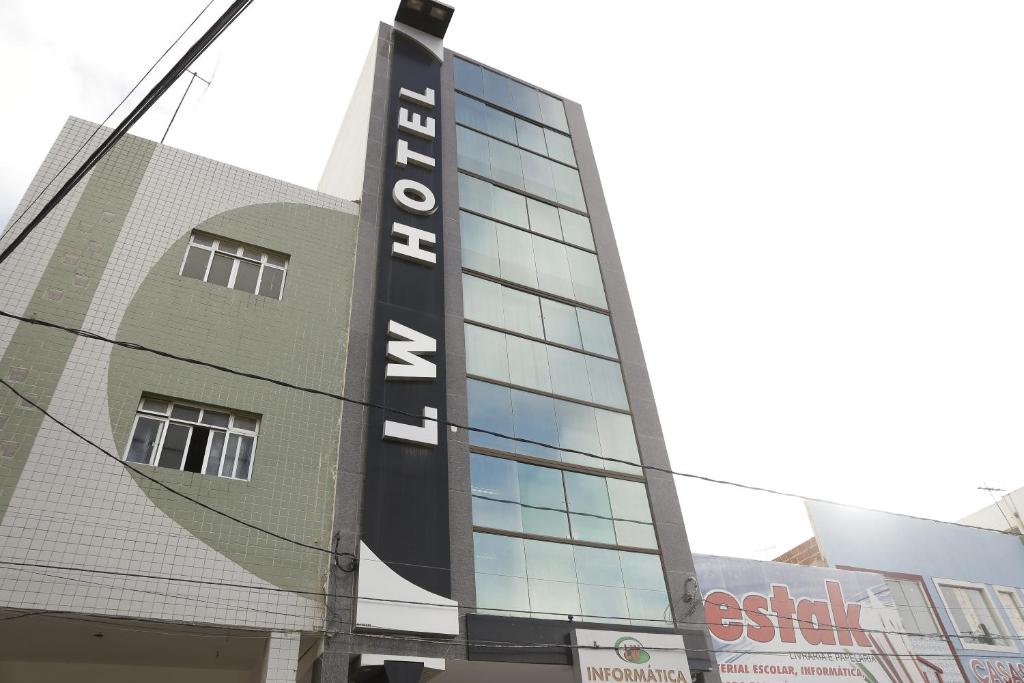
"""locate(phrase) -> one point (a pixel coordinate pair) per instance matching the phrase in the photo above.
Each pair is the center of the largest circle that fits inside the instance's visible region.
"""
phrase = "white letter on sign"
(414, 197)
(426, 98)
(411, 366)
(425, 435)
(412, 250)
(405, 156)
(417, 124)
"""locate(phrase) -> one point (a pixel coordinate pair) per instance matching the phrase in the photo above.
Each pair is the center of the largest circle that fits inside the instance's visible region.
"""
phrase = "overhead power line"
(166, 487)
(88, 334)
(85, 144)
(34, 567)
(118, 621)
(193, 53)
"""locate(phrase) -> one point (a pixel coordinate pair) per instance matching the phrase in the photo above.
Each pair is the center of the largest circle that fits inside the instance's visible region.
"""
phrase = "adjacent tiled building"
(198, 259)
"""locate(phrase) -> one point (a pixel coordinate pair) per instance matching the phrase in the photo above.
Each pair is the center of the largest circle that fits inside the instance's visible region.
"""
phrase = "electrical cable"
(109, 116)
(186, 598)
(499, 644)
(193, 53)
(88, 334)
(334, 553)
(111, 620)
(161, 484)
(28, 566)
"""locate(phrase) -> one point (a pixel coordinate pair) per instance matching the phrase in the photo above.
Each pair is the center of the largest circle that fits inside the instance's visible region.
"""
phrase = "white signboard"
(627, 657)
(772, 622)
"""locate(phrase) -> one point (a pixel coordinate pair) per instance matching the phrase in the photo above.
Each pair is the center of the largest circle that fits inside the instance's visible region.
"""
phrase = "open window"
(193, 438)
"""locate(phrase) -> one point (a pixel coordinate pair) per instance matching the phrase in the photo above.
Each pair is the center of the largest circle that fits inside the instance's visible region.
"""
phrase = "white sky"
(818, 206)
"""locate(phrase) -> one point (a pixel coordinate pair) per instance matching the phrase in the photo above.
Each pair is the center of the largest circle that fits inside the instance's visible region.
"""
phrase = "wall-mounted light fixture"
(426, 15)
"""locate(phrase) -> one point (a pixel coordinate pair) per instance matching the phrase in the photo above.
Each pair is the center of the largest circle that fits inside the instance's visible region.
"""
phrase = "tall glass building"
(538, 504)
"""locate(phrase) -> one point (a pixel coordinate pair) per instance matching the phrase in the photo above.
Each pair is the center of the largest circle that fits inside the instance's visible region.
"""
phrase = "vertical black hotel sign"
(405, 501)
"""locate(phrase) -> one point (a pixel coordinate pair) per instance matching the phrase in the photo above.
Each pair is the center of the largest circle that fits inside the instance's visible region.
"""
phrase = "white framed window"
(1009, 598)
(193, 438)
(235, 265)
(977, 622)
(912, 605)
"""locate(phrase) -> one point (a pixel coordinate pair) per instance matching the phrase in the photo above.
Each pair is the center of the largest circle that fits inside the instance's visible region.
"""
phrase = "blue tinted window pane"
(596, 332)
(524, 100)
(546, 523)
(473, 151)
(618, 440)
(586, 277)
(486, 353)
(506, 164)
(531, 137)
(553, 268)
(469, 77)
(494, 478)
(479, 244)
(577, 430)
(606, 382)
(586, 528)
(541, 486)
(642, 571)
(501, 125)
(559, 147)
(494, 592)
(528, 364)
(569, 374)
(600, 603)
(598, 566)
(474, 194)
(576, 228)
(635, 534)
(482, 300)
(538, 176)
(521, 312)
(629, 500)
(470, 112)
(587, 493)
(552, 561)
(496, 515)
(648, 605)
(508, 206)
(553, 112)
(490, 408)
(568, 187)
(515, 250)
(490, 200)
(499, 555)
(560, 324)
(496, 89)
(534, 418)
(553, 599)
(544, 219)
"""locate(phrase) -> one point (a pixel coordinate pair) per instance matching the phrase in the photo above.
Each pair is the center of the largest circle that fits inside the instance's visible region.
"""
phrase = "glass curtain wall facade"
(561, 518)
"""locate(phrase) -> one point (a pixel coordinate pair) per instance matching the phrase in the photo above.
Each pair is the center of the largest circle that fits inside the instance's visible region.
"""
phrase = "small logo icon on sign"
(631, 650)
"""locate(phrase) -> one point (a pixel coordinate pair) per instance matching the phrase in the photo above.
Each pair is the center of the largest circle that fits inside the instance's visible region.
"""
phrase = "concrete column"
(281, 661)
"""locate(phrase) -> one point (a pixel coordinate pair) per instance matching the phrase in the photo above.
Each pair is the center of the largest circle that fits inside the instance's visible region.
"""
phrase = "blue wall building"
(964, 581)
